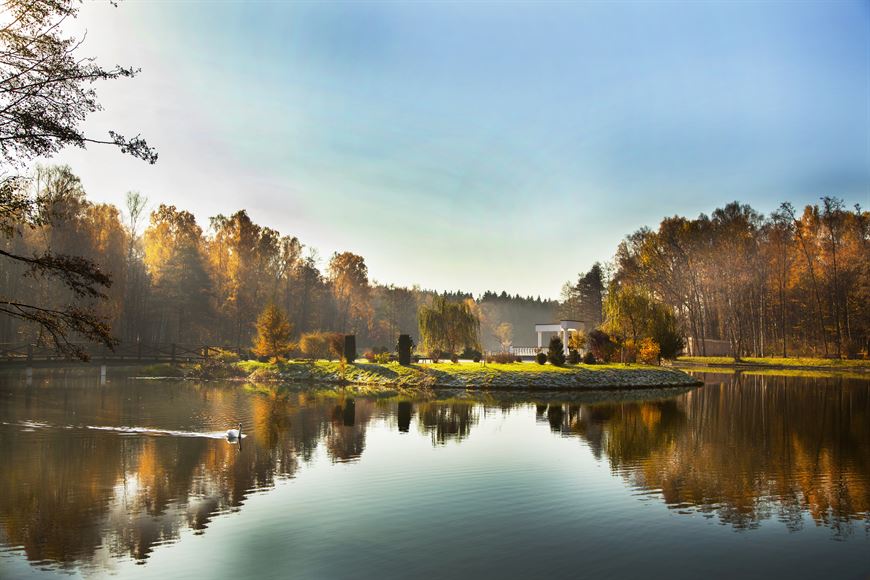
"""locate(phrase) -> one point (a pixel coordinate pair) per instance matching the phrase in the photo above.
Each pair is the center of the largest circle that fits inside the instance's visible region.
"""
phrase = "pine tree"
(273, 333)
(556, 352)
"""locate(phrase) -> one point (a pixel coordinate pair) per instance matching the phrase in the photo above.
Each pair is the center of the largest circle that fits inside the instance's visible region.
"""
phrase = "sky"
(476, 146)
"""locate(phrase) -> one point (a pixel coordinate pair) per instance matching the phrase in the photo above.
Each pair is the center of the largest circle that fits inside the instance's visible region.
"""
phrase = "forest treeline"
(792, 282)
(785, 284)
(175, 280)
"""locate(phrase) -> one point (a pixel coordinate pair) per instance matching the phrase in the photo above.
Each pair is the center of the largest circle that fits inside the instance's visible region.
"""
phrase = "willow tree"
(448, 326)
(628, 311)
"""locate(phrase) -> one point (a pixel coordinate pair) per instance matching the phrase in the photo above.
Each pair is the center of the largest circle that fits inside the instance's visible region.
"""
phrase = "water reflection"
(740, 449)
(447, 420)
(745, 449)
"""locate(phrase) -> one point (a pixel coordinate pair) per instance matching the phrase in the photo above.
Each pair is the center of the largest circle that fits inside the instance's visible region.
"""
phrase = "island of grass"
(453, 375)
(775, 363)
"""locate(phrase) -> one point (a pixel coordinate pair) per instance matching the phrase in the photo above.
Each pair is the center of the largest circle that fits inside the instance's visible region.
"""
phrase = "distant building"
(711, 347)
(563, 328)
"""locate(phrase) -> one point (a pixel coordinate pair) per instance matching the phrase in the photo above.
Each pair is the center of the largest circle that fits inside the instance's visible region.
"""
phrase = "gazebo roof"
(560, 326)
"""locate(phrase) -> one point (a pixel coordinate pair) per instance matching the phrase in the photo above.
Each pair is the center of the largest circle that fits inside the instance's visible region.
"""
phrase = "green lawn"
(778, 361)
(458, 369)
(465, 375)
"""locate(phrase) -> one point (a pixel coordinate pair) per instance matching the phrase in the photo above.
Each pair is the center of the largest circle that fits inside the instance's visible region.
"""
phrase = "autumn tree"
(46, 93)
(314, 345)
(628, 311)
(134, 320)
(240, 254)
(601, 345)
(578, 340)
(309, 295)
(349, 277)
(84, 243)
(504, 333)
(273, 333)
(664, 330)
(182, 288)
(792, 282)
(780, 254)
(289, 253)
(649, 351)
(806, 242)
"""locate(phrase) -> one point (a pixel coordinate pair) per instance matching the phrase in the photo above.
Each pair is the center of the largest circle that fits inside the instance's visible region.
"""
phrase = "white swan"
(235, 434)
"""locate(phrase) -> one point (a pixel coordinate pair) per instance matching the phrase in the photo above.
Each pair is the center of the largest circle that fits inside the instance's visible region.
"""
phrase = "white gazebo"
(563, 327)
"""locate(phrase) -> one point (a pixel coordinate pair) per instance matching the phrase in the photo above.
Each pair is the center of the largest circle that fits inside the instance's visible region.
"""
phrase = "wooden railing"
(132, 352)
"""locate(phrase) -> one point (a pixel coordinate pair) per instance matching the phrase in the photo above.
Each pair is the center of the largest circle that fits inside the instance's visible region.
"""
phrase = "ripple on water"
(32, 426)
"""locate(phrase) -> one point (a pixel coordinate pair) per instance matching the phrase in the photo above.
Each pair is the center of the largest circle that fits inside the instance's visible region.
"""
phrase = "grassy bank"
(466, 376)
(796, 363)
(831, 373)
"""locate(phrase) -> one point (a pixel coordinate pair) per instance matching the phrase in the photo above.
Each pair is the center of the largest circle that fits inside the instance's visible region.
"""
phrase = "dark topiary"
(404, 347)
(589, 358)
(348, 414)
(601, 345)
(573, 357)
(471, 353)
(556, 352)
(541, 358)
(350, 347)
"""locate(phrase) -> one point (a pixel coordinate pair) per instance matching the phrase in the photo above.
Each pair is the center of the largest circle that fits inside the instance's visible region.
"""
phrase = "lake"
(749, 475)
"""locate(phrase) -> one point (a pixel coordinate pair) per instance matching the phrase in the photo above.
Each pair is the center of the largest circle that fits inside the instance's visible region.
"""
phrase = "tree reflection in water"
(448, 420)
(744, 450)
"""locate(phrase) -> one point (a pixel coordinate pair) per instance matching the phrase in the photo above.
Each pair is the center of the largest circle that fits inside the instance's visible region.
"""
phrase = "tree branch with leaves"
(46, 93)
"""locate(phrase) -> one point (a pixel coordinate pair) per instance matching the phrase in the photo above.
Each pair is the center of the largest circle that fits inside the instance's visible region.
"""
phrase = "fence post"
(29, 352)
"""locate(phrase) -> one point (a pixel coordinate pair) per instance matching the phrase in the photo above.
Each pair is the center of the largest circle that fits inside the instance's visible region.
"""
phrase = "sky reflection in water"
(513, 484)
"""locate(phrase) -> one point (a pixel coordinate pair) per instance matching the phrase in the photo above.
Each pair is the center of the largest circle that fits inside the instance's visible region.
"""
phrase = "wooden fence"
(125, 352)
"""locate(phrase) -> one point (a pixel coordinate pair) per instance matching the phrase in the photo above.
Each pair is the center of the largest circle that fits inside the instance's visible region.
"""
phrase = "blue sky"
(482, 145)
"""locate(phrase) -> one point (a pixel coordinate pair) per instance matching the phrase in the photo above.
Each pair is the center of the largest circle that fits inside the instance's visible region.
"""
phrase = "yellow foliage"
(648, 351)
(273, 333)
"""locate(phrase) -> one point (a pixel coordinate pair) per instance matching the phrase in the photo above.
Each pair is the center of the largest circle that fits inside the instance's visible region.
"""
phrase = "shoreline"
(774, 364)
(463, 376)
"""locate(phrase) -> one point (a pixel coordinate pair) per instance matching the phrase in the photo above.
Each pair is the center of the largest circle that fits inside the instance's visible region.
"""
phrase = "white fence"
(524, 350)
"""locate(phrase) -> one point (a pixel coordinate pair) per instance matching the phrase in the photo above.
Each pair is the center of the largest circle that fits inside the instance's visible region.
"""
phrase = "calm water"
(751, 476)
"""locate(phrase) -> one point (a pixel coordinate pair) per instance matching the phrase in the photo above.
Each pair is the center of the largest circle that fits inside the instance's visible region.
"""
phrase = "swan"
(235, 434)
